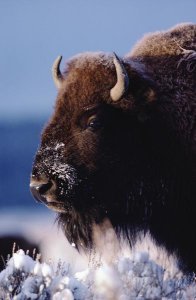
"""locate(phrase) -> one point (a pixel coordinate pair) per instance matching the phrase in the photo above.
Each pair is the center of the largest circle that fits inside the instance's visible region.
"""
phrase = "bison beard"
(121, 145)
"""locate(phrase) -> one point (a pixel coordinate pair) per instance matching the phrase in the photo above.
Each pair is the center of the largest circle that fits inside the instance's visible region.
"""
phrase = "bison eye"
(93, 122)
(91, 119)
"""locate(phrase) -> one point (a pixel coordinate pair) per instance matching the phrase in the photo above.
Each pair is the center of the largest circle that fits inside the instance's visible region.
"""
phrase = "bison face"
(96, 153)
(72, 162)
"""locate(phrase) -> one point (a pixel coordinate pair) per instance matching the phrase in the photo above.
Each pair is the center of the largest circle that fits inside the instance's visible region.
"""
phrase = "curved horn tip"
(115, 56)
(57, 75)
(122, 83)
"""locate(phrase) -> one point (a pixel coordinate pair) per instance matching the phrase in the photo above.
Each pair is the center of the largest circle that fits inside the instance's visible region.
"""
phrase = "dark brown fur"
(137, 166)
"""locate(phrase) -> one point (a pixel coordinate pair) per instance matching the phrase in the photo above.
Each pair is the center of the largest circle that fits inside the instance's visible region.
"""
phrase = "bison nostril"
(39, 189)
(43, 188)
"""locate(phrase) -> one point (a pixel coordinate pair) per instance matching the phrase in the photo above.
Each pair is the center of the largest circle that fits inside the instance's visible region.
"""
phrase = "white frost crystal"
(46, 270)
(22, 261)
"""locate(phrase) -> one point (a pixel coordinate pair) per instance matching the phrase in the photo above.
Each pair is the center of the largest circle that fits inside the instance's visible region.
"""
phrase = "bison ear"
(145, 100)
(149, 94)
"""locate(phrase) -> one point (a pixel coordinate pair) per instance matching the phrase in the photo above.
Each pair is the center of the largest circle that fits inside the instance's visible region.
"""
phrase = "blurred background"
(32, 35)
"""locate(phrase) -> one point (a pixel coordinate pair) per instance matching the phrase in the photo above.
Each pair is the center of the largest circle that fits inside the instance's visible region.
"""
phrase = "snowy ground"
(117, 273)
(129, 277)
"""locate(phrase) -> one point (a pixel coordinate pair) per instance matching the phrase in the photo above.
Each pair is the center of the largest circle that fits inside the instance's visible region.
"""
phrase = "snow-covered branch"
(129, 277)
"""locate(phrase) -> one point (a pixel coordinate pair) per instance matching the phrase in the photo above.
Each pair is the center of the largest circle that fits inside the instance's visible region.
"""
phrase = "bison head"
(108, 152)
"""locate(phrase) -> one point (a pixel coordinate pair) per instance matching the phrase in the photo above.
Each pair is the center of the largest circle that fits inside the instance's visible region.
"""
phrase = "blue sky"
(34, 32)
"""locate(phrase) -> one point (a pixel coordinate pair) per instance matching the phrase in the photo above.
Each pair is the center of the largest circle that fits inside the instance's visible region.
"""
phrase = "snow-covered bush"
(128, 277)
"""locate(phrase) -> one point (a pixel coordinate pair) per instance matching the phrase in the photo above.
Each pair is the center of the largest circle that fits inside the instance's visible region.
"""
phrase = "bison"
(120, 146)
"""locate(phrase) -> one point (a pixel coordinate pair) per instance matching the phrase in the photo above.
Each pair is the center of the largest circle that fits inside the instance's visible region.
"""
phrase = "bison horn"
(56, 73)
(122, 83)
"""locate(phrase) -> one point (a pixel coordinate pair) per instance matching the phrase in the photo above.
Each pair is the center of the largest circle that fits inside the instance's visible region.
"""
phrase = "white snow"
(59, 145)
(47, 270)
(65, 172)
(21, 261)
(145, 272)
(131, 276)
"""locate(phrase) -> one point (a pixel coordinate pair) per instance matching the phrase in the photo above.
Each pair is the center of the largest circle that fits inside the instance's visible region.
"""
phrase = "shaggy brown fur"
(131, 161)
(170, 59)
